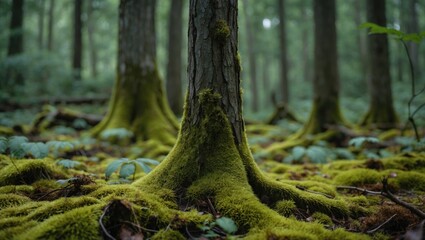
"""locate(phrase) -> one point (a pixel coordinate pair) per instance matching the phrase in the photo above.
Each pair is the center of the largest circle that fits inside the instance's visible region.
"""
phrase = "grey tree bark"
(283, 52)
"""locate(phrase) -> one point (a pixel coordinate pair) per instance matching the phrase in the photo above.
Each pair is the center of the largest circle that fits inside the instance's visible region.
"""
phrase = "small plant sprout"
(359, 142)
(129, 167)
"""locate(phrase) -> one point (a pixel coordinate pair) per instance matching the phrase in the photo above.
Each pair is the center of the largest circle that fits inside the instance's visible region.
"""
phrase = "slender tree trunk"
(326, 111)
(413, 27)
(174, 65)
(14, 77)
(50, 25)
(77, 56)
(283, 52)
(305, 42)
(381, 111)
(266, 79)
(138, 102)
(92, 45)
(361, 37)
(251, 58)
(41, 24)
(16, 37)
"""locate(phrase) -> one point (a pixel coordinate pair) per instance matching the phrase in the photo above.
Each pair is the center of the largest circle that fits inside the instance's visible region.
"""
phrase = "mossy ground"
(34, 206)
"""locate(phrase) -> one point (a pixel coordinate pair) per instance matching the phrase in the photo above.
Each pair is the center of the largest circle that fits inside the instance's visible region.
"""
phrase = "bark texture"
(138, 102)
(174, 65)
(16, 37)
(50, 25)
(381, 111)
(326, 111)
(91, 33)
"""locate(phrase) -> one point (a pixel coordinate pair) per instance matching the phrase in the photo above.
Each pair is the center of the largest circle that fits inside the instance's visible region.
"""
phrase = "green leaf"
(127, 169)
(142, 166)
(119, 133)
(3, 144)
(15, 147)
(227, 224)
(317, 154)
(358, 142)
(37, 150)
(113, 166)
(67, 163)
(343, 153)
(147, 160)
(59, 146)
(298, 152)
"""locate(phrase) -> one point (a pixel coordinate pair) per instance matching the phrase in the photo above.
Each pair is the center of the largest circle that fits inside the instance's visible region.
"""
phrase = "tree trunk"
(381, 112)
(92, 45)
(41, 24)
(412, 26)
(50, 26)
(361, 37)
(77, 40)
(251, 58)
(14, 77)
(305, 43)
(138, 102)
(211, 159)
(283, 52)
(174, 65)
(326, 111)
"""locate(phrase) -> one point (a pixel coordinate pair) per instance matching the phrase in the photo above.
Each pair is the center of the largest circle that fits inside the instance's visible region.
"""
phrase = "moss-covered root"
(237, 201)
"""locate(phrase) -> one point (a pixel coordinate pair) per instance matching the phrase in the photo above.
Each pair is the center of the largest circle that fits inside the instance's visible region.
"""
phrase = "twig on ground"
(310, 191)
(381, 225)
(105, 231)
(140, 227)
(364, 191)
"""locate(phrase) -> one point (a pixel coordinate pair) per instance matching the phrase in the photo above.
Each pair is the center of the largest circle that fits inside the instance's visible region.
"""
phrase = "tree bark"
(326, 111)
(283, 52)
(251, 58)
(50, 26)
(41, 24)
(305, 43)
(412, 26)
(361, 37)
(77, 56)
(174, 65)
(381, 111)
(138, 102)
(92, 45)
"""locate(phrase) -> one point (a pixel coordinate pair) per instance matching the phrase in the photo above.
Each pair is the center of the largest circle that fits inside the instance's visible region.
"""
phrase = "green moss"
(168, 234)
(409, 181)
(358, 177)
(19, 189)
(79, 223)
(416, 162)
(12, 200)
(21, 210)
(16, 228)
(221, 31)
(28, 171)
(322, 218)
(285, 207)
(61, 206)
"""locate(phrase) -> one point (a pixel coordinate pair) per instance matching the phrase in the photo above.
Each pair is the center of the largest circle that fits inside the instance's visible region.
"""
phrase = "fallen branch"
(364, 191)
(314, 192)
(386, 193)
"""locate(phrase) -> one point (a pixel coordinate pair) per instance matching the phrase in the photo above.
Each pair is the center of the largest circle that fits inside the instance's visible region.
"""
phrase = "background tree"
(250, 37)
(50, 25)
(381, 111)
(77, 56)
(211, 158)
(41, 15)
(91, 41)
(326, 109)
(138, 102)
(174, 64)
(16, 42)
(283, 52)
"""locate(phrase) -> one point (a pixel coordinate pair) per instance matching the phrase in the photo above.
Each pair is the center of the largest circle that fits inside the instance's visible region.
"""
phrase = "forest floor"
(51, 177)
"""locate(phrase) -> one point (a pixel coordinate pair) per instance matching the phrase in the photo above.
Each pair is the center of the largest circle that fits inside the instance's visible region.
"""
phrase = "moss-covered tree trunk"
(138, 102)
(326, 110)
(211, 158)
(381, 111)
